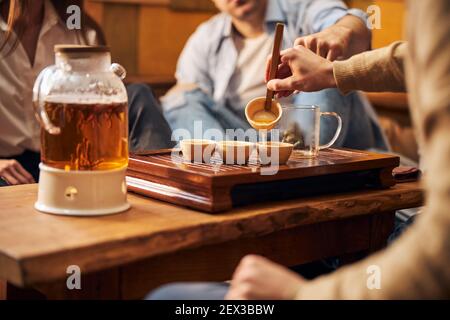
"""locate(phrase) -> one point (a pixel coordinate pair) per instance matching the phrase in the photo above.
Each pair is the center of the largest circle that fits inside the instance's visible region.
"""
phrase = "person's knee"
(141, 96)
(137, 89)
(193, 114)
(198, 96)
(190, 291)
(166, 292)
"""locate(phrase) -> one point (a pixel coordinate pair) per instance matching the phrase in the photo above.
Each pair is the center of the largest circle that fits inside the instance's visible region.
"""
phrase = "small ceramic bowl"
(273, 152)
(197, 150)
(234, 152)
(257, 105)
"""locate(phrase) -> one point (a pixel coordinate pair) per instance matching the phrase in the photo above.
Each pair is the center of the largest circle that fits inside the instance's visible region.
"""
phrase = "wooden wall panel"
(145, 36)
(120, 24)
(95, 10)
(393, 13)
(163, 34)
(193, 5)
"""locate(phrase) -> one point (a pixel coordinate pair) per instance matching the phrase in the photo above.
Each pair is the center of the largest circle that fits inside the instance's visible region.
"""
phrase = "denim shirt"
(209, 57)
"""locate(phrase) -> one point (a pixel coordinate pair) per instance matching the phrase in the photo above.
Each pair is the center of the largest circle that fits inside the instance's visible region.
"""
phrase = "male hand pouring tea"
(308, 65)
(300, 69)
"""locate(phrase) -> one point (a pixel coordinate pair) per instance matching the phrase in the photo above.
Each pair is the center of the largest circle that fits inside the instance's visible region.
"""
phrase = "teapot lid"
(72, 48)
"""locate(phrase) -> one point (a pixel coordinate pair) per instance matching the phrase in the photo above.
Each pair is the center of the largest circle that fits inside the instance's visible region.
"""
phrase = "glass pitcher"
(81, 104)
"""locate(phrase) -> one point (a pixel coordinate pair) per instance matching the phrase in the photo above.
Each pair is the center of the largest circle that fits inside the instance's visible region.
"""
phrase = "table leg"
(382, 226)
(3, 286)
(104, 285)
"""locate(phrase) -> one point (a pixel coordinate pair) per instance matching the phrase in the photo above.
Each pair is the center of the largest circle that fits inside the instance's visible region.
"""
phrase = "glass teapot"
(81, 104)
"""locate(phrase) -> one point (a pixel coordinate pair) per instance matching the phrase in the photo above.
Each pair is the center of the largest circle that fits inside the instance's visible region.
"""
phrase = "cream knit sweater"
(416, 266)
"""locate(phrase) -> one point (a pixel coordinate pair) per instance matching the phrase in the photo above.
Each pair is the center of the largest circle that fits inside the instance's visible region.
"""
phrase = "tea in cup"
(235, 152)
(274, 152)
(260, 118)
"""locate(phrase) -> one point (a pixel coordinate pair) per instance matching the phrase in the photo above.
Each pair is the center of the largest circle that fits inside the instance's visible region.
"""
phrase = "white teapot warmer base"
(81, 193)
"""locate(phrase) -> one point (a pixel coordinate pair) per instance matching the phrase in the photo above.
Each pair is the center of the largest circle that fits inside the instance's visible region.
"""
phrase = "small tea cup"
(257, 105)
(197, 150)
(234, 152)
(268, 151)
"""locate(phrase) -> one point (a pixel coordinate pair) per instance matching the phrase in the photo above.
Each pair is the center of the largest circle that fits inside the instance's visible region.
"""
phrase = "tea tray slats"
(214, 187)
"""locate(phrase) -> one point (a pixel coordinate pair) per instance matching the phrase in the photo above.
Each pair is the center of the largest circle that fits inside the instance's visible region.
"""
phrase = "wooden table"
(126, 255)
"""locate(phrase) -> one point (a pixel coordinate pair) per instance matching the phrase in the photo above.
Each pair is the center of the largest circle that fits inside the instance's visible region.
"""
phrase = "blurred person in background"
(222, 66)
(28, 32)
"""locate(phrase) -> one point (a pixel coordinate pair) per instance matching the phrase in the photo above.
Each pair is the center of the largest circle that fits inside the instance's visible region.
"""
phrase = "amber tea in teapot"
(91, 137)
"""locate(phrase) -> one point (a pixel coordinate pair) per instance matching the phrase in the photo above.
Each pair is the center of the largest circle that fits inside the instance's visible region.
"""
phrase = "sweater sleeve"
(373, 71)
(417, 264)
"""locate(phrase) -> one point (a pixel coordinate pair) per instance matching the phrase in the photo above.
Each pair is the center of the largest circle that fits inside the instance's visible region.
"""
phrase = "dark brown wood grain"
(209, 187)
(104, 285)
(217, 262)
(289, 247)
(349, 239)
(3, 286)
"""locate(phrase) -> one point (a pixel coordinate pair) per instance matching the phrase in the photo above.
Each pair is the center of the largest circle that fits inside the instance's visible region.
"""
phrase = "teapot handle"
(118, 70)
(40, 90)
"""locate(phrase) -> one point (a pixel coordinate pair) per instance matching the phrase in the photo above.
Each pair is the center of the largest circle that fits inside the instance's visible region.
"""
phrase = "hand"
(331, 43)
(301, 70)
(257, 278)
(13, 173)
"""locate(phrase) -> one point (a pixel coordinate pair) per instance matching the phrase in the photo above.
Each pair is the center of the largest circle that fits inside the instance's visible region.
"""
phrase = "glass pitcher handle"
(118, 70)
(40, 90)
(338, 130)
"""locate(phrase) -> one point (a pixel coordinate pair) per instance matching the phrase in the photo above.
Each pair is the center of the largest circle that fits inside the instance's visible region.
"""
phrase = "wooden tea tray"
(215, 187)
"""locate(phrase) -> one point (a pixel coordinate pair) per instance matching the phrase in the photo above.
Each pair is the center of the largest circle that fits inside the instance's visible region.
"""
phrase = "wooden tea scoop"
(261, 112)
(275, 61)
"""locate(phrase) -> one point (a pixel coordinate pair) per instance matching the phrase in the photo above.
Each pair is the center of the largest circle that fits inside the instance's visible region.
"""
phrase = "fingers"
(332, 55)
(309, 42)
(17, 175)
(287, 84)
(242, 284)
(322, 49)
(24, 173)
(283, 71)
(331, 49)
(10, 179)
(240, 293)
(288, 55)
(335, 50)
(14, 173)
(300, 42)
(283, 94)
